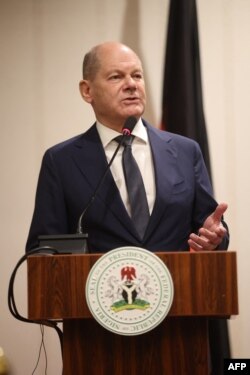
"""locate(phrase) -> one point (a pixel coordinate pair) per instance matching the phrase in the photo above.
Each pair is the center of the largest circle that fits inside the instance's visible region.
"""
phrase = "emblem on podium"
(129, 291)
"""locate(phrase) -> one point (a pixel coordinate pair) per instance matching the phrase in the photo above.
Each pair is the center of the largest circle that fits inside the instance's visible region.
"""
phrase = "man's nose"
(130, 83)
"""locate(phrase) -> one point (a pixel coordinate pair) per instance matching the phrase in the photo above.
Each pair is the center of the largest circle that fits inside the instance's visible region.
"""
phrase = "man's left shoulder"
(170, 137)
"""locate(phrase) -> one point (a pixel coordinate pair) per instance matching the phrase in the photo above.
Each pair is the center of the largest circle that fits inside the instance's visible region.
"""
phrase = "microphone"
(129, 126)
(77, 243)
(126, 131)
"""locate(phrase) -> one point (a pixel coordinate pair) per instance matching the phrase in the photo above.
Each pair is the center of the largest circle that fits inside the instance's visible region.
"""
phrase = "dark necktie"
(135, 187)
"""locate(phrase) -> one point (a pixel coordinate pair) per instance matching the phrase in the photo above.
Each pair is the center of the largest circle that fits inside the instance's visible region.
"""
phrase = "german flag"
(182, 106)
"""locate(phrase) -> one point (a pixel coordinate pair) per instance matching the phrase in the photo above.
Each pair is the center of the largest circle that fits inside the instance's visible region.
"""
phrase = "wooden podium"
(205, 286)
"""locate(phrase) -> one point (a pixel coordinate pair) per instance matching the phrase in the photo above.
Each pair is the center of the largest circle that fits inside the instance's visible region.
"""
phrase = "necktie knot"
(127, 141)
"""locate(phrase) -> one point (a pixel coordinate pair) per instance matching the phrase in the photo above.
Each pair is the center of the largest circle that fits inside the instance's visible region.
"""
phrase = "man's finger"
(219, 211)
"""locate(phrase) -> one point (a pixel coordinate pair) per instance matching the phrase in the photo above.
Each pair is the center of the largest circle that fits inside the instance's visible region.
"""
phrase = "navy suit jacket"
(71, 170)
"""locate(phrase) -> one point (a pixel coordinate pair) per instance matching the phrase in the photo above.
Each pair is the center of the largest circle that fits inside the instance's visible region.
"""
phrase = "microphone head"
(129, 125)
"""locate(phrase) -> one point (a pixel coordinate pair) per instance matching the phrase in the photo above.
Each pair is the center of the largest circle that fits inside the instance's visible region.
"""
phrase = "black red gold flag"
(182, 105)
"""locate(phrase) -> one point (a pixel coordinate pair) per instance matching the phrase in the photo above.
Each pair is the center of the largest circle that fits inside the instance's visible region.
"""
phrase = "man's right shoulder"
(70, 143)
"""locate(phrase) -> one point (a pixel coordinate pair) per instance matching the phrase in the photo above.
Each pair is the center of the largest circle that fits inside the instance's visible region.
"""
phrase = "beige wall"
(42, 45)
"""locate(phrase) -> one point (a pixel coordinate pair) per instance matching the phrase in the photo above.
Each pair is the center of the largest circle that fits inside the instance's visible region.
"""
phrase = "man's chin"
(133, 112)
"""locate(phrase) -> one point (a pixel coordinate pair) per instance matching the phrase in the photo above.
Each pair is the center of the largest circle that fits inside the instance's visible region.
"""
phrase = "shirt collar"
(107, 135)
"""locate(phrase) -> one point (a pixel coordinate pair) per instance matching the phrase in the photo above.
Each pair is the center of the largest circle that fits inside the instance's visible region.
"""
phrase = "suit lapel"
(167, 174)
(90, 158)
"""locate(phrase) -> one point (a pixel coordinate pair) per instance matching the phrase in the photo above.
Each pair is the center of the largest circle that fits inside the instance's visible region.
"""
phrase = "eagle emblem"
(129, 292)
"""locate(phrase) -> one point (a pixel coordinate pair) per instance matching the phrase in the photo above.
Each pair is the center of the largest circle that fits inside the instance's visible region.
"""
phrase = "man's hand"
(212, 232)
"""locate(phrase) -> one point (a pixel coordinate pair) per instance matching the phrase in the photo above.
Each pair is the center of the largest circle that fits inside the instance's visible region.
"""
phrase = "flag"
(182, 109)
(182, 113)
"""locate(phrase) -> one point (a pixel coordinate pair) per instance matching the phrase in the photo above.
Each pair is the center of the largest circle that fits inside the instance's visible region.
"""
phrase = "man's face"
(117, 91)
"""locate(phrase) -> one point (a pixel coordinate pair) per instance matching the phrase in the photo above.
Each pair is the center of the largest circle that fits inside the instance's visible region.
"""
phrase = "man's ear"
(84, 88)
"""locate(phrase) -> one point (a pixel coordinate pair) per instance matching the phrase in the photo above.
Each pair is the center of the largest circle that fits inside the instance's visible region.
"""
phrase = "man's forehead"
(131, 65)
(109, 65)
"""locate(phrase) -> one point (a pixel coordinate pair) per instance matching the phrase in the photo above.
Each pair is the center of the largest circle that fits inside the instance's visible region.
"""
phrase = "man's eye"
(138, 76)
(114, 77)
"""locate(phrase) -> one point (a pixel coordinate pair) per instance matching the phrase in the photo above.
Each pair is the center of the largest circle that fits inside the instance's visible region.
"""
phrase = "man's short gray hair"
(91, 64)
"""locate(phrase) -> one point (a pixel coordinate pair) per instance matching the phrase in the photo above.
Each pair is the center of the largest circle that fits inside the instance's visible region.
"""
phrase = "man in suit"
(183, 212)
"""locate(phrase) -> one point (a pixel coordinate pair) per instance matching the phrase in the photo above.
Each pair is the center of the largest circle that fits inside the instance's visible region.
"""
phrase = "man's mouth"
(132, 99)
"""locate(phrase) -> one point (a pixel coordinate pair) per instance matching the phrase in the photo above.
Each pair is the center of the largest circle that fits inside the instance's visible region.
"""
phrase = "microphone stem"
(92, 198)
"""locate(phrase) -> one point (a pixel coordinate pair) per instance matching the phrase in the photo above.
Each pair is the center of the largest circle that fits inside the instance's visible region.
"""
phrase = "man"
(183, 213)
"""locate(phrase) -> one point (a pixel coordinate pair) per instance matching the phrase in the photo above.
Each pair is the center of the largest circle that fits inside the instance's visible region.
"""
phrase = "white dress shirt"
(142, 153)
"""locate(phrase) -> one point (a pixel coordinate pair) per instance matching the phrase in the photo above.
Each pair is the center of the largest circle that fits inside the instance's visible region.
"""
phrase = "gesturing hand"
(212, 232)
